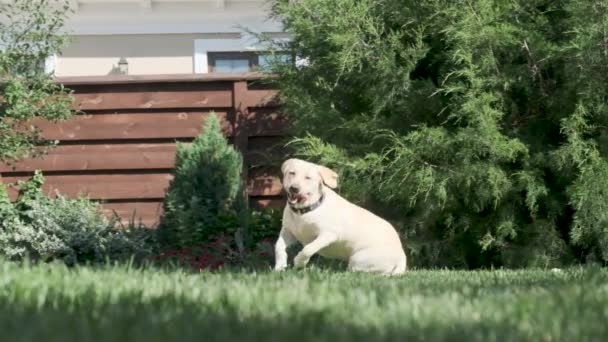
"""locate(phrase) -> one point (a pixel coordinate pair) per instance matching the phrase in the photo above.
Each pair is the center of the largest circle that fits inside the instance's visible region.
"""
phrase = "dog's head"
(303, 181)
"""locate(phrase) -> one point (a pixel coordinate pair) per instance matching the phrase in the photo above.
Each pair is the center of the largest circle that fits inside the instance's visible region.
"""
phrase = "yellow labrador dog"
(327, 224)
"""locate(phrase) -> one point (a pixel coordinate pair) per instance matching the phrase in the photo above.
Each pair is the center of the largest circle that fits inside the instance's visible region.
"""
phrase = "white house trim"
(50, 64)
(168, 29)
(112, 17)
(74, 5)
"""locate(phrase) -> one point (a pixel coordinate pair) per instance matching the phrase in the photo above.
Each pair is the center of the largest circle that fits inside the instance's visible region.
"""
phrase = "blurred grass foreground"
(120, 303)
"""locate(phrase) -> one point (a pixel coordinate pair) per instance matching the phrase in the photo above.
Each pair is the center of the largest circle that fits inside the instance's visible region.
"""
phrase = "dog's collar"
(308, 209)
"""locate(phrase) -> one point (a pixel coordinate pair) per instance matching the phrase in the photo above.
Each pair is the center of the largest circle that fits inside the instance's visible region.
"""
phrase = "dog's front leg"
(285, 240)
(309, 250)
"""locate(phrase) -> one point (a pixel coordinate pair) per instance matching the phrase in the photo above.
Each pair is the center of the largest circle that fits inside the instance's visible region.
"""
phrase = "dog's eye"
(307, 178)
(292, 173)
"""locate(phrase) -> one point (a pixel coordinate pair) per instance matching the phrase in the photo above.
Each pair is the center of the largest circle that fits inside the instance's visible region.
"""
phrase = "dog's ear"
(329, 177)
(285, 164)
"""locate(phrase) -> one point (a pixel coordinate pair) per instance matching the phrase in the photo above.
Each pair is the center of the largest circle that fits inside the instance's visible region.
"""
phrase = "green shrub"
(71, 230)
(30, 32)
(205, 196)
(478, 127)
(264, 224)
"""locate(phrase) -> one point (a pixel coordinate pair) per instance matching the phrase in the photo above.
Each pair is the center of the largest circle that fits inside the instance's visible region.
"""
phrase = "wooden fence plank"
(132, 186)
(164, 125)
(267, 202)
(263, 182)
(147, 213)
(261, 98)
(100, 157)
(103, 186)
(265, 151)
(113, 156)
(152, 99)
(263, 122)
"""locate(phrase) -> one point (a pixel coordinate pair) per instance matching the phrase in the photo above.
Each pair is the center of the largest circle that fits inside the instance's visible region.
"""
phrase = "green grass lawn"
(53, 303)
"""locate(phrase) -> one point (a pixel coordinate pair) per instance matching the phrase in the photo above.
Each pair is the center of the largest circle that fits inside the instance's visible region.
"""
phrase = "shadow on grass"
(249, 263)
(164, 319)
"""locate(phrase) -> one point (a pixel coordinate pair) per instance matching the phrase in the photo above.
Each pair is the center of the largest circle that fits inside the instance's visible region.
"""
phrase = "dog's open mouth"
(295, 198)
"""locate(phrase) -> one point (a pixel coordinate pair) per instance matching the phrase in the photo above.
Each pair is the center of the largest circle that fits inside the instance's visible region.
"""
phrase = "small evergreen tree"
(205, 196)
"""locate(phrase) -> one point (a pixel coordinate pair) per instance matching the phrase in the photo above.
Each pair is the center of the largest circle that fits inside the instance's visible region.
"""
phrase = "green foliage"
(264, 224)
(30, 31)
(477, 127)
(205, 195)
(74, 231)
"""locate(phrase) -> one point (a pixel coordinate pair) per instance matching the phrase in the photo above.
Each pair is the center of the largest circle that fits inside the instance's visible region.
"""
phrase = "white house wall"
(187, 17)
(146, 54)
(162, 38)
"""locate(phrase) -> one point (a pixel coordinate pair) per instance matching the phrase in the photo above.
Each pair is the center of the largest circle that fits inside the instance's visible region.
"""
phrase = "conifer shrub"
(205, 196)
(477, 127)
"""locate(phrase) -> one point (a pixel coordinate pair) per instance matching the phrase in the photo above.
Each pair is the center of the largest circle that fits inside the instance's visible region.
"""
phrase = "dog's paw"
(279, 268)
(301, 260)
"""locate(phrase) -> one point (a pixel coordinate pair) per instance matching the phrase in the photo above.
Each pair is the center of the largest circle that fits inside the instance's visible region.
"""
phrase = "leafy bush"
(71, 230)
(30, 32)
(264, 224)
(477, 127)
(205, 196)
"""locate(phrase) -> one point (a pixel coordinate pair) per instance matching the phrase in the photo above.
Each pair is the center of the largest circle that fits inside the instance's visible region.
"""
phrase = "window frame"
(203, 48)
(253, 57)
(213, 56)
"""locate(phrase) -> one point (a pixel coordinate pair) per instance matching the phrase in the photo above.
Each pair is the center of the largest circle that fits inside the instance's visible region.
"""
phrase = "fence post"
(241, 139)
(240, 133)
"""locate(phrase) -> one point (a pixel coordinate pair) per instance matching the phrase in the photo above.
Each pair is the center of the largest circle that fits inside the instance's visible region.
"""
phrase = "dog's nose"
(294, 189)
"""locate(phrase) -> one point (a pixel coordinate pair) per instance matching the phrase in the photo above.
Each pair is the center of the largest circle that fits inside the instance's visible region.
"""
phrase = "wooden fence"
(121, 150)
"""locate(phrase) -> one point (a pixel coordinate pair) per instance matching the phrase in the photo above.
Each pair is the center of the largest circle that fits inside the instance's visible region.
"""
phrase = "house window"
(239, 61)
(233, 61)
(234, 55)
(265, 60)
